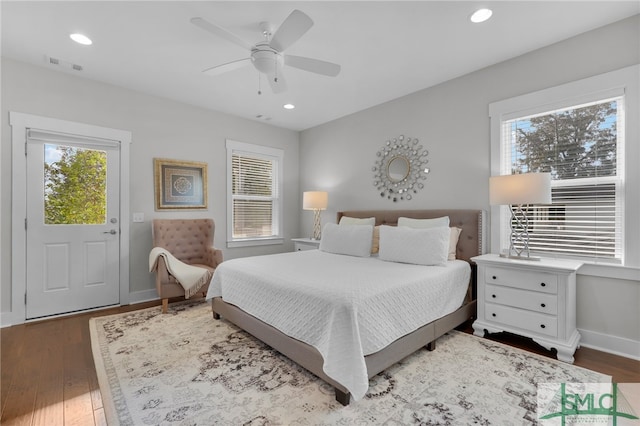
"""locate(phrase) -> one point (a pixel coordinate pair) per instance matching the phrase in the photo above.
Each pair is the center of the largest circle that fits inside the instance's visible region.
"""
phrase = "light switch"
(138, 217)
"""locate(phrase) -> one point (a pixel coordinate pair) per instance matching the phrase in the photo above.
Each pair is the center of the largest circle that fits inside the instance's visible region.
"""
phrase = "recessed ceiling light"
(289, 106)
(481, 15)
(81, 38)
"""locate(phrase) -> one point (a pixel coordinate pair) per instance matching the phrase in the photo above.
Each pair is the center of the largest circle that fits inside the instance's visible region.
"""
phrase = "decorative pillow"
(428, 246)
(423, 223)
(375, 244)
(352, 240)
(346, 220)
(453, 242)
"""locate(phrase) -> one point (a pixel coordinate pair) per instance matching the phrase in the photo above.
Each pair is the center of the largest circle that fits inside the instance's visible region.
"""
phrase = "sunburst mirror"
(400, 168)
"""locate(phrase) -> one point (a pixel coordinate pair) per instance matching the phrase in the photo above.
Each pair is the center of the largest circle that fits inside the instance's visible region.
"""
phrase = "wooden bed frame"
(470, 243)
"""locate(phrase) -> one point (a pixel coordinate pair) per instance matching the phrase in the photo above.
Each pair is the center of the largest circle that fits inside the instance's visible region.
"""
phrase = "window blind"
(582, 148)
(254, 194)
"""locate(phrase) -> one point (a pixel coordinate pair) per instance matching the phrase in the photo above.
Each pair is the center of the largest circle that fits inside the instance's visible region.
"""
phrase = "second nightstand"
(300, 244)
(536, 299)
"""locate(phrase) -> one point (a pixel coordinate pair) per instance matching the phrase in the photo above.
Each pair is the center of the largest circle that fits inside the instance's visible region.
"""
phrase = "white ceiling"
(386, 49)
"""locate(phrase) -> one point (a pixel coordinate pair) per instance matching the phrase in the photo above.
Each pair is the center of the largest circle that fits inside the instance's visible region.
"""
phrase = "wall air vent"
(61, 63)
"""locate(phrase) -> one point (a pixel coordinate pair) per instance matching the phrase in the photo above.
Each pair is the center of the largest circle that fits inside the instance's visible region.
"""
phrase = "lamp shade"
(314, 200)
(525, 188)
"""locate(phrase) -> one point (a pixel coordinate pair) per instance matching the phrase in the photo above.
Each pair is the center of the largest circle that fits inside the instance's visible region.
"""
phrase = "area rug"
(185, 368)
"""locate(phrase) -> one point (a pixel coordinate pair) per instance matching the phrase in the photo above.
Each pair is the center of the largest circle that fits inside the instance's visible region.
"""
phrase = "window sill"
(255, 242)
(610, 271)
(600, 269)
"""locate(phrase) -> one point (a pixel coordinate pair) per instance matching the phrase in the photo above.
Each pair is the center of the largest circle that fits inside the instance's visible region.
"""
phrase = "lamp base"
(316, 225)
(518, 257)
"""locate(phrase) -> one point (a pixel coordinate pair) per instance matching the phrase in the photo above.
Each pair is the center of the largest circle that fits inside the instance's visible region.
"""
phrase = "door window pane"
(75, 185)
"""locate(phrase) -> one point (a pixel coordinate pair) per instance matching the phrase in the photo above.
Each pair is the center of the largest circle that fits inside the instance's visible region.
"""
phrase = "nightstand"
(536, 299)
(300, 244)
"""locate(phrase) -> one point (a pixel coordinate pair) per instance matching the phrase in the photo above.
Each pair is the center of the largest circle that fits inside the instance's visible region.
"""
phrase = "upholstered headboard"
(471, 242)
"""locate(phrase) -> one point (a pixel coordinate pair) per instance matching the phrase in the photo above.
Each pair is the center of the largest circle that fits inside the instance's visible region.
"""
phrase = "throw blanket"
(192, 278)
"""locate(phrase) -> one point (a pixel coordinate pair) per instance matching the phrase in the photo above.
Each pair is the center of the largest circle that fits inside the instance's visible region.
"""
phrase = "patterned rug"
(185, 368)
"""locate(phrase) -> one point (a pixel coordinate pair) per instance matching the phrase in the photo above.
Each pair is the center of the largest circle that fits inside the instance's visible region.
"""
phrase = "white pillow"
(453, 242)
(418, 246)
(346, 220)
(352, 240)
(423, 223)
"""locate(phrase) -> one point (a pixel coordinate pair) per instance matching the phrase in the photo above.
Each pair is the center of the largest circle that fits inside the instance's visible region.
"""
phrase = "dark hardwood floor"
(48, 376)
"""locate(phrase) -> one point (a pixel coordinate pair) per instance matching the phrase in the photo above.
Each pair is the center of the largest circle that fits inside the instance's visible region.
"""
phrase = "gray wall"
(452, 121)
(160, 128)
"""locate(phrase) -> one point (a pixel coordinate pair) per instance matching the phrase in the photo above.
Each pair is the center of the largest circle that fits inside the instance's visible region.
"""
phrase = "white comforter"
(344, 306)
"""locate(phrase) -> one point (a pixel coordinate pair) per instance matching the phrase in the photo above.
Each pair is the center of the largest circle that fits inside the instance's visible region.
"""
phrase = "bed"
(278, 298)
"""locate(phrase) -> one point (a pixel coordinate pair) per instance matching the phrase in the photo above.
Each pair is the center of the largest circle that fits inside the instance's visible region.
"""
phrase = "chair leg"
(165, 305)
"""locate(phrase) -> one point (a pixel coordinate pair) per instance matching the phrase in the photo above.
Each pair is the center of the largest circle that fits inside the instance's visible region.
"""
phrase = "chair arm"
(213, 257)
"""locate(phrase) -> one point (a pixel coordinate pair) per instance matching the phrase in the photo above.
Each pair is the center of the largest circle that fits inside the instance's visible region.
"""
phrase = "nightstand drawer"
(301, 247)
(526, 320)
(527, 280)
(300, 244)
(540, 302)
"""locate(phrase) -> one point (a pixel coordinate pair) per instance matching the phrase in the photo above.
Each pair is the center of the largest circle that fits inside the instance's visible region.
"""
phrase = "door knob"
(112, 232)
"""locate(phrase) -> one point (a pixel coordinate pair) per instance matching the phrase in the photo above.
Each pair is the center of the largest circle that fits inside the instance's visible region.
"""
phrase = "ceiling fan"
(267, 56)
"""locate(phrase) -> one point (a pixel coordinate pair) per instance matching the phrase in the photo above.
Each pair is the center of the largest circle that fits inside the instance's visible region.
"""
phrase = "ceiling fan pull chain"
(259, 91)
(275, 59)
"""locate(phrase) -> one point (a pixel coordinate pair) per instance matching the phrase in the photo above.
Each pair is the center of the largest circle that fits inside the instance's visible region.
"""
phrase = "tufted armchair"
(189, 240)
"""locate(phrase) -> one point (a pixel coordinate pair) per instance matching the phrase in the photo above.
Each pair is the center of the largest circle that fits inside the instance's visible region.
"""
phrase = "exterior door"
(73, 224)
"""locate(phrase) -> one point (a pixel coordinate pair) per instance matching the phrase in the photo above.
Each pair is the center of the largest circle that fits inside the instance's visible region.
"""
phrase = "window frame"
(623, 82)
(275, 155)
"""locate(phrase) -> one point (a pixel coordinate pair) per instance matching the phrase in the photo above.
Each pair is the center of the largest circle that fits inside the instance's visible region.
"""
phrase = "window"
(75, 185)
(254, 187)
(583, 149)
(577, 133)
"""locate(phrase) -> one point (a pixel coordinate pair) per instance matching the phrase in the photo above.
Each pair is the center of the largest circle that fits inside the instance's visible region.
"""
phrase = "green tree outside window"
(75, 186)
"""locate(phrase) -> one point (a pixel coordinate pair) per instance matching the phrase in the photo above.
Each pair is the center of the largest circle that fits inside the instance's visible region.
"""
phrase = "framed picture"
(180, 184)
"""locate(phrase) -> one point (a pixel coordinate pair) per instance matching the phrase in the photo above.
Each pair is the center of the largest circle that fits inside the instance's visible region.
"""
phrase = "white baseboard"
(622, 346)
(7, 319)
(143, 296)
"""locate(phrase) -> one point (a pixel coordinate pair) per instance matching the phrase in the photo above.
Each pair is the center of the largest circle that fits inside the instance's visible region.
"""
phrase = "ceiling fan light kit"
(266, 59)
(267, 56)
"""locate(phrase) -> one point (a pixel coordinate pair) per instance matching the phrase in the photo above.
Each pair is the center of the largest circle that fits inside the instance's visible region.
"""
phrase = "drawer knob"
(543, 284)
(493, 295)
(543, 305)
(543, 326)
(493, 315)
(494, 277)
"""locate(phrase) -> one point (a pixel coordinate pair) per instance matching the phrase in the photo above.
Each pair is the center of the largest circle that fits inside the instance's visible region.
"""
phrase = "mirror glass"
(398, 169)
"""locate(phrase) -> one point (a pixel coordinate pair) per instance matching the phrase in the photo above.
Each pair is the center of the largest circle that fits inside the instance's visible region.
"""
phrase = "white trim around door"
(20, 123)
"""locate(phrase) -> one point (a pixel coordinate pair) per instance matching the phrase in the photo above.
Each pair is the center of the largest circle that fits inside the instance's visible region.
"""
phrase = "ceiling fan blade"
(277, 86)
(294, 27)
(229, 66)
(312, 65)
(221, 32)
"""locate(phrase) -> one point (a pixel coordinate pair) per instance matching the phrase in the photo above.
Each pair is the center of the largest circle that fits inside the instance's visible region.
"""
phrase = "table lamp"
(316, 201)
(515, 191)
